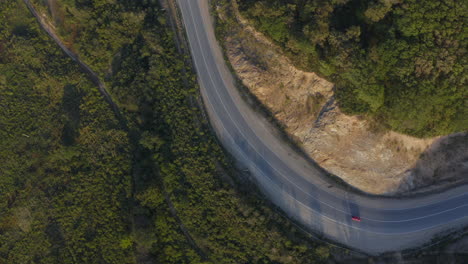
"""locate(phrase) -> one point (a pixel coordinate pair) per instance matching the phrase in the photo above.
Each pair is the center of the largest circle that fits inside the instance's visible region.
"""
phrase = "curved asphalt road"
(294, 184)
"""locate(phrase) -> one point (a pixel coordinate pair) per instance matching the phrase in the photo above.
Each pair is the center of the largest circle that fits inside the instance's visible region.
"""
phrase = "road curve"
(296, 185)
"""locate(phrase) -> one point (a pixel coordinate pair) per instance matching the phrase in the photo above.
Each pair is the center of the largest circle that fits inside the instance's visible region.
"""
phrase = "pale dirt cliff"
(347, 146)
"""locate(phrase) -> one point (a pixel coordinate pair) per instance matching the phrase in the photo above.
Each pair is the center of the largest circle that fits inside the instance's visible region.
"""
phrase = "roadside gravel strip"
(300, 189)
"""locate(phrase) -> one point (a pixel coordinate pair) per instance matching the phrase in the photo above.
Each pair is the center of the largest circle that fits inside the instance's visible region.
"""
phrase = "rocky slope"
(351, 147)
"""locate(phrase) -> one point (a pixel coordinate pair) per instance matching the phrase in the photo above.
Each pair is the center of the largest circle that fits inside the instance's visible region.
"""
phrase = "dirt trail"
(84, 67)
(102, 89)
(347, 146)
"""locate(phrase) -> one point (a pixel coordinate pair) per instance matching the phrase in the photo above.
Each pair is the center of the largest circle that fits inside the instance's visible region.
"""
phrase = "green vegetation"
(77, 188)
(65, 163)
(228, 228)
(399, 62)
(96, 30)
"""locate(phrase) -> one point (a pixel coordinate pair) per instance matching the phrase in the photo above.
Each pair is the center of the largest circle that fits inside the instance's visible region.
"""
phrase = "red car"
(356, 218)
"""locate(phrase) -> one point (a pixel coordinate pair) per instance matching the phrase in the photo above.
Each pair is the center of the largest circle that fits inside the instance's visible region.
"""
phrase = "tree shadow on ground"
(444, 162)
(71, 101)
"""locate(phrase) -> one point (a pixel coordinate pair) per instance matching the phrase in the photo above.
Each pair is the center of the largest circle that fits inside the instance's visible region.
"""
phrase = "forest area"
(78, 187)
(402, 63)
(64, 171)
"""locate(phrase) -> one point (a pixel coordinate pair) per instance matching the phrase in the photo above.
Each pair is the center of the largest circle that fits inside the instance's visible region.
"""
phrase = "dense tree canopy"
(400, 61)
(64, 162)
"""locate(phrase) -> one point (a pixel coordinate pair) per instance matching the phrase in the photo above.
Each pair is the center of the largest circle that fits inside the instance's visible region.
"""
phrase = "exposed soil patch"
(375, 161)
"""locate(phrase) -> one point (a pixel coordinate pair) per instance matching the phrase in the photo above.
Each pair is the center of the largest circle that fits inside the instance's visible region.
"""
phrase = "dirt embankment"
(347, 146)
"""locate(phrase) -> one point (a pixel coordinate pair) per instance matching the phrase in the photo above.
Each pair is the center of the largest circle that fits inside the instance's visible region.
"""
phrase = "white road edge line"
(283, 176)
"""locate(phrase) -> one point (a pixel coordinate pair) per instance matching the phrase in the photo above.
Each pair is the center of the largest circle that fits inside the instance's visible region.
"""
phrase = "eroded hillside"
(351, 147)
